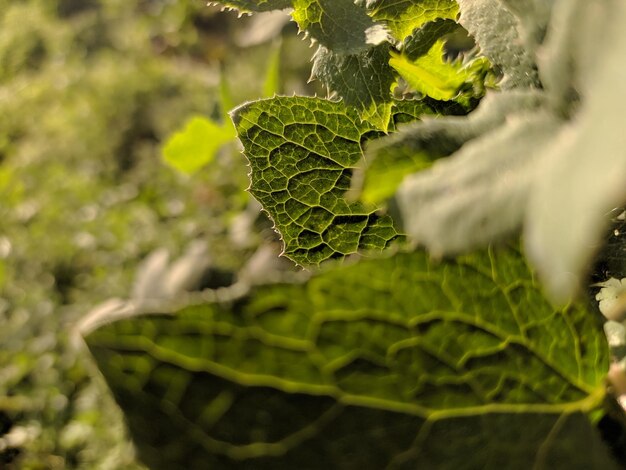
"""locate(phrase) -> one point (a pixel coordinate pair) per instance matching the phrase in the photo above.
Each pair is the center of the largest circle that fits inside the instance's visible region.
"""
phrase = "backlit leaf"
(197, 144)
(302, 152)
(389, 363)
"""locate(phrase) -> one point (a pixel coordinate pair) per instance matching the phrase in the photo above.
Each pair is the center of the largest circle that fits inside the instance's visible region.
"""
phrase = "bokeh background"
(89, 92)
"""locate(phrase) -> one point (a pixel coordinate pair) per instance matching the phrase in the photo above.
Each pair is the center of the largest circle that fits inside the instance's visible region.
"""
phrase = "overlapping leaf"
(415, 146)
(364, 81)
(302, 152)
(433, 76)
(535, 168)
(402, 17)
(363, 77)
(356, 40)
(495, 29)
(339, 25)
(389, 363)
(424, 38)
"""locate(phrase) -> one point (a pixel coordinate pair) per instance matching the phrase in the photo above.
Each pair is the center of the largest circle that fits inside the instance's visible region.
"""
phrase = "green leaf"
(197, 144)
(302, 152)
(402, 17)
(423, 39)
(432, 75)
(363, 80)
(388, 363)
(416, 145)
(381, 172)
(339, 25)
(272, 83)
(255, 5)
(380, 177)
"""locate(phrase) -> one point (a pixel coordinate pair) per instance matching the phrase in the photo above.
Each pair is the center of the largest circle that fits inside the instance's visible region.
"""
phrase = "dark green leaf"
(302, 152)
(389, 363)
(424, 38)
(362, 80)
(339, 25)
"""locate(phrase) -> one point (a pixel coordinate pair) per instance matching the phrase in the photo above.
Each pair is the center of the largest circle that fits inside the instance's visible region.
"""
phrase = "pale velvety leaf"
(533, 17)
(583, 178)
(402, 17)
(479, 194)
(575, 160)
(416, 145)
(495, 30)
(389, 363)
(570, 57)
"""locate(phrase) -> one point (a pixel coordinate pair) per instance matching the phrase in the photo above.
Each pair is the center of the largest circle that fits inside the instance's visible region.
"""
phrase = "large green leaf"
(388, 363)
(302, 152)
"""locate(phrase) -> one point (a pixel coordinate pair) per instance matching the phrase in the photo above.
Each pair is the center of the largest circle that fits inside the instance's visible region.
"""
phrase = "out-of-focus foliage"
(392, 363)
(89, 90)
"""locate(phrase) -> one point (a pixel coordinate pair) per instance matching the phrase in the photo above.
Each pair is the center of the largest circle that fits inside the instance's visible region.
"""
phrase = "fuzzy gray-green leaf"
(495, 29)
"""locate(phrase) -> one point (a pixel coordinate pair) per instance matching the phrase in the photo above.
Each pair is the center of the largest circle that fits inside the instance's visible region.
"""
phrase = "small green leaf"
(380, 173)
(197, 144)
(383, 175)
(402, 17)
(388, 363)
(433, 76)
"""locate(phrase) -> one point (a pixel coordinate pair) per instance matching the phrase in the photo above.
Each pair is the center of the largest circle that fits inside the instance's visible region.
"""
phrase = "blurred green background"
(89, 92)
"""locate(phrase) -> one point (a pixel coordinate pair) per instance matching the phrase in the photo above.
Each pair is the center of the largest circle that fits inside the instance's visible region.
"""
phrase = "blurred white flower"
(612, 298)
